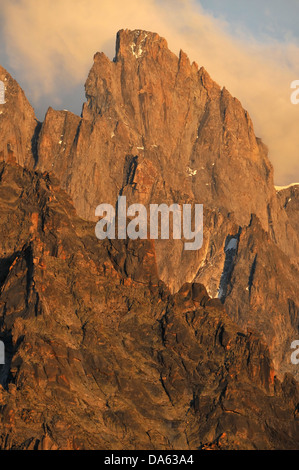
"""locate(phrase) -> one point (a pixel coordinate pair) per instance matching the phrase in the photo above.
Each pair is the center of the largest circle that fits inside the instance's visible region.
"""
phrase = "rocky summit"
(140, 344)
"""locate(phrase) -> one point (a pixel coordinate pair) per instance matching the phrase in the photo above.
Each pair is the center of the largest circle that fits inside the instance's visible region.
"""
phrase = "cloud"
(50, 45)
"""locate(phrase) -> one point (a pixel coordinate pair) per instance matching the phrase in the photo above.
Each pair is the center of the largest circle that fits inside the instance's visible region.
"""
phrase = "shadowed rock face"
(96, 360)
(120, 344)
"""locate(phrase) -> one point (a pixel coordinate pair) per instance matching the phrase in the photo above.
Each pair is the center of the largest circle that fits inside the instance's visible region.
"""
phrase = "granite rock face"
(157, 128)
(142, 344)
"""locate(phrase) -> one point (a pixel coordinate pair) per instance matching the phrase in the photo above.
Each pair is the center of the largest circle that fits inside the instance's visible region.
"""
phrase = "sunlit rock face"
(18, 125)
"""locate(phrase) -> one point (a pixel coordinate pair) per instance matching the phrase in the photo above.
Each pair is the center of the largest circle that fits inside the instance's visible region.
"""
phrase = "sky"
(250, 47)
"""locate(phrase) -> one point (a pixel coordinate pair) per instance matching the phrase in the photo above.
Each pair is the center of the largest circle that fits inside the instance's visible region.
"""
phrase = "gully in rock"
(2, 353)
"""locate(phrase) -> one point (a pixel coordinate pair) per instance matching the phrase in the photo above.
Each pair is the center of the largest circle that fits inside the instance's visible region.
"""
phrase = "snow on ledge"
(280, 188)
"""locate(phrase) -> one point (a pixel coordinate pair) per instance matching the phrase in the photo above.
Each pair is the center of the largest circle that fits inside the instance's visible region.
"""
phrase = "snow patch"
(136, 53)
(232, 245)
(230, 250)
(190, 171)
(280, 188)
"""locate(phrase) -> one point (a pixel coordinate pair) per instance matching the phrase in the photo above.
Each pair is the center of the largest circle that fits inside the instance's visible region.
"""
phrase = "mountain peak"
(137, 42)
